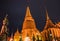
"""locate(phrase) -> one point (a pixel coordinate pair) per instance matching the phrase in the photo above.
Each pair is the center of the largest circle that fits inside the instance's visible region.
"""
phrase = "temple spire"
(28, 13)
(49, 23)
(17, 35)
(12, 35)
(11, 39)
(47, 17)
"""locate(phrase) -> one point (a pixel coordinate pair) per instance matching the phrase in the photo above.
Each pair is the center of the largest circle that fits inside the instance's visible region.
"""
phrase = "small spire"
(11, 39)
(12, 35)
(47, 17)
(49, 23)
(28, 13)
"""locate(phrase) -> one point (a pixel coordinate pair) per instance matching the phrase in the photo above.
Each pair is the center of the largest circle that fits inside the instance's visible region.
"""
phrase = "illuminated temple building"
(51, 31)
(29, 30)
(17, 36)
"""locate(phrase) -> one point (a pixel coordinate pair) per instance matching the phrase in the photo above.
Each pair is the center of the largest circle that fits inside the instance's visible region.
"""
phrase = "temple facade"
(29, 32)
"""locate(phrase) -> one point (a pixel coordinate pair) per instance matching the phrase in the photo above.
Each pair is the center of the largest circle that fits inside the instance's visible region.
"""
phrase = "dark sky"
(16, 10)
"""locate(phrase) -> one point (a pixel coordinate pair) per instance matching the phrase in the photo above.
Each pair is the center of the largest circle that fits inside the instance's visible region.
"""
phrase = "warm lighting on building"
(17, 36)
(51, 31)
(29, 27)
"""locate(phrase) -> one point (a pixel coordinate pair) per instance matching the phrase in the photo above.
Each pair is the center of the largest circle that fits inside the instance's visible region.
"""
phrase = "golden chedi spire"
(29, 26)
(49, 23)
(17, 35)
(28, 13)
(28, 19)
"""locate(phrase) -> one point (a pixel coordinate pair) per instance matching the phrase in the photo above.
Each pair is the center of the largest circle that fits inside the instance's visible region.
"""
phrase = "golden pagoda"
(29, 27)
(17, 36)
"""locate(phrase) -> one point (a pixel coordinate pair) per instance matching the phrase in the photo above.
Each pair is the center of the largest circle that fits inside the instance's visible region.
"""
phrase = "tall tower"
(29, 27)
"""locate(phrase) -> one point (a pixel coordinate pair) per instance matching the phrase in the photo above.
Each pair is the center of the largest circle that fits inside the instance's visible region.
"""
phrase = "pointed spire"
(11, 39)
(47, 17)
(12, 35)
(28, 19)
(17, 32)
(28, 13)
(49, 23)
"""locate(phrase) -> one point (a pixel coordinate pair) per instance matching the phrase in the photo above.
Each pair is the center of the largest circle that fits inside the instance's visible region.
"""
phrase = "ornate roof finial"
(28, 13)
(47, 17)
(49, 23)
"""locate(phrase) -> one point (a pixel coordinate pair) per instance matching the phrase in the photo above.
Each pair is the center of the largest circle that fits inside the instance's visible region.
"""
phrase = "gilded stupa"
(29, 27)
(17, 36)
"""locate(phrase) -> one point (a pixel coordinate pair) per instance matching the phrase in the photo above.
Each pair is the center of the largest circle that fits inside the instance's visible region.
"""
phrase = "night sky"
(16, 10)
